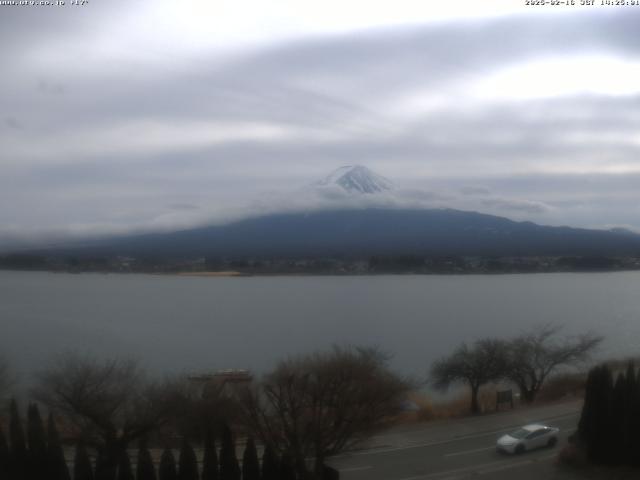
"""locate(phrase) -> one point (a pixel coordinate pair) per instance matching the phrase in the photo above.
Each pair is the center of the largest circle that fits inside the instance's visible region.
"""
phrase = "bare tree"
(535, 355)
(200, 409)
(109, 402)
(475, 365)
(319, 405)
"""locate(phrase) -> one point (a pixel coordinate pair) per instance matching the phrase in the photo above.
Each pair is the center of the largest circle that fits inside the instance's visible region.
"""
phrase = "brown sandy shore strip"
(229, 273)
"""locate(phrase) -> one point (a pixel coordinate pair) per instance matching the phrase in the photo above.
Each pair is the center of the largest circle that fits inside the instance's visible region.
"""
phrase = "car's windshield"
(520, 433)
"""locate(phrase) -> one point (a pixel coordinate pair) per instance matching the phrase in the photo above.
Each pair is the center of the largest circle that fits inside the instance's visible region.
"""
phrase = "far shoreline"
(240, 274)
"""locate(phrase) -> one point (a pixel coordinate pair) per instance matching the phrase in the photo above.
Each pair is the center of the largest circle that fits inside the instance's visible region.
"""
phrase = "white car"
(528, 437)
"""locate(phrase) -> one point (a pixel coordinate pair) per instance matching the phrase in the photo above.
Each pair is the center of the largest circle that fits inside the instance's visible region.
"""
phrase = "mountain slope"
(373, 232)
(356, 179)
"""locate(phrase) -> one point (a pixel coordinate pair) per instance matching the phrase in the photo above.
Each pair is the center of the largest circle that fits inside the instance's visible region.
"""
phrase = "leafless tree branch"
(319, 405)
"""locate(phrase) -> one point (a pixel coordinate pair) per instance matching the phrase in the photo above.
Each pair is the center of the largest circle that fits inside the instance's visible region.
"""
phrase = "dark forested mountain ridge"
(371, 232)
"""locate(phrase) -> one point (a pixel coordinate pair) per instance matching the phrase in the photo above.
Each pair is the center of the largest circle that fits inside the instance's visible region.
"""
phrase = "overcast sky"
(121, 115)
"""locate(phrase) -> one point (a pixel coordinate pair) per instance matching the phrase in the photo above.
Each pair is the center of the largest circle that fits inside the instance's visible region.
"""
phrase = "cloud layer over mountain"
(110, 125)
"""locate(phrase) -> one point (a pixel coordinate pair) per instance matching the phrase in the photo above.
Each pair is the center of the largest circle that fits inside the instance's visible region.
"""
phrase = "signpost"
(504, 396)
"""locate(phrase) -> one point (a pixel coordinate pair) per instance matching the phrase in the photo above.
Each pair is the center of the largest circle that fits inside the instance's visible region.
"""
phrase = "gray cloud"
(94, 142)
(183, 206)
(13, 123)
(49, 87)
(475, 190)
(526, 206)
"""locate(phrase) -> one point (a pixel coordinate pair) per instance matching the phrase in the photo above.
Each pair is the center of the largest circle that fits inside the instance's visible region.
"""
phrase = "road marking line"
(355, 469)
(478, 469)
(376, 451)
(466, 452)
(516, 464)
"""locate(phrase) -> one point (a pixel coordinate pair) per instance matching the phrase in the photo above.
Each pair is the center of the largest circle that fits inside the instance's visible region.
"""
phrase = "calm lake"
(187, 324)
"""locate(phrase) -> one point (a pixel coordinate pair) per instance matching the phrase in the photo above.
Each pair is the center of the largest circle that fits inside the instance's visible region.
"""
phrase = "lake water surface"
(177, 323)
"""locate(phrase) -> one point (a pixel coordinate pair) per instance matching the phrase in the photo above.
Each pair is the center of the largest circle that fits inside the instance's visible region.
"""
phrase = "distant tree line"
(338, 264)
(23, 262)
(610, 419)
(525, 361)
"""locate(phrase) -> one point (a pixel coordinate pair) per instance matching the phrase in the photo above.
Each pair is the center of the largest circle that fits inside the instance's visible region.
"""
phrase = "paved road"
(459, 449)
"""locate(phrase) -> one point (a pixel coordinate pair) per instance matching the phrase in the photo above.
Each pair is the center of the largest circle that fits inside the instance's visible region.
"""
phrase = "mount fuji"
(356, 179)
(367, 229)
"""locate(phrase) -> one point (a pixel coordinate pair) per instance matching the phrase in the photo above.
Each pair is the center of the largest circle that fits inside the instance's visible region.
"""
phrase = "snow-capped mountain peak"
(357, 179)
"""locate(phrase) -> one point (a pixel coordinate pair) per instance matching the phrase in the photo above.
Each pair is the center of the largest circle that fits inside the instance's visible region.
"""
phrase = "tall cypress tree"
(330, 473)
(606, 422)
(188, 463)
(287, 471)
(598, 449)
(167, 470)
(125, 472)
(617, 445)
(250, 462)
(229, 468)
(37, 442)
(595, 422)
(104, 469)
(270, 467)
(82, 469)
(4, 456)
(630, 376)
(628, 433)
(586, 424)
(610, 416)
(635, 421)
(145, 469)
(56, 462)
(18, 447)
(210, 459)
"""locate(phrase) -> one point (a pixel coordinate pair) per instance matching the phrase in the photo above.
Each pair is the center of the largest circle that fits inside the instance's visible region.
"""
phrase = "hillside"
(371, 232)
